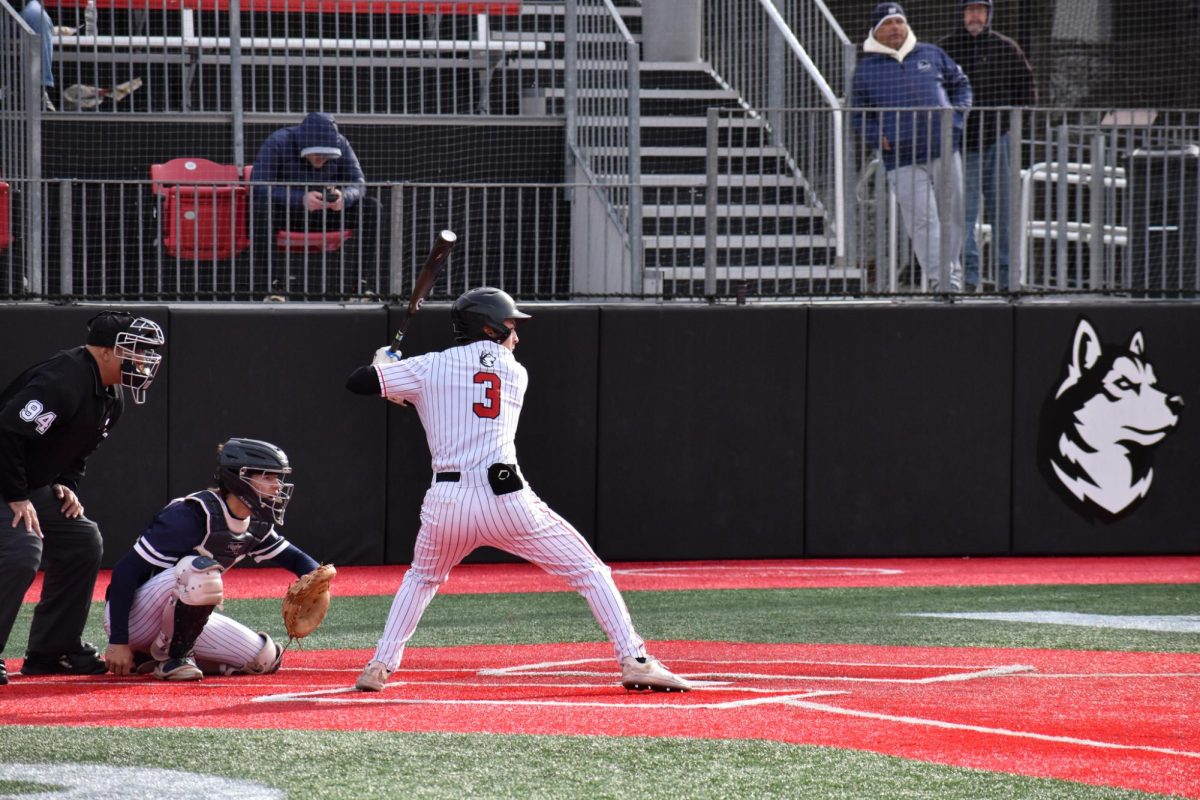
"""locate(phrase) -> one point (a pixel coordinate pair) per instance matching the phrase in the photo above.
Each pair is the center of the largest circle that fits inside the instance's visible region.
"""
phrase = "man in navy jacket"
(909, 82)
(307, 178)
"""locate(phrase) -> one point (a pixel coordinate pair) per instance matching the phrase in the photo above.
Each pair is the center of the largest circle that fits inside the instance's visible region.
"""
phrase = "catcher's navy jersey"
(201, 524)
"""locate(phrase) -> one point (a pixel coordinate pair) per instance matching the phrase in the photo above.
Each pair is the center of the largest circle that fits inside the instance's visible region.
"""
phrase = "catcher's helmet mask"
(481, 314)
(133, 340)
(241, 461)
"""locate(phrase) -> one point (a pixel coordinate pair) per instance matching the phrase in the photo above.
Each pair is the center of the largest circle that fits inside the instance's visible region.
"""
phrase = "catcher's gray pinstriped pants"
(223, 640)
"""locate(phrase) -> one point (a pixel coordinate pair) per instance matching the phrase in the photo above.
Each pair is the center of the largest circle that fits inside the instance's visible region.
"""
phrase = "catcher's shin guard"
(182, 625)
(267, 661)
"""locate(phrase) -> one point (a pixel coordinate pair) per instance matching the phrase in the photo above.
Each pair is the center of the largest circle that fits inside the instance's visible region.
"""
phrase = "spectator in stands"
(35, 17)
(894, 72)
(307, 178)
(1000, 75)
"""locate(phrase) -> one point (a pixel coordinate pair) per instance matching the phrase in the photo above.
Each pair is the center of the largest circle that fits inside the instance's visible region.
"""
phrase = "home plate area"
(1099, 717)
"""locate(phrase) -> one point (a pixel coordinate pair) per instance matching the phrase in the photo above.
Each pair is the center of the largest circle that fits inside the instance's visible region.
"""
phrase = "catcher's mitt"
(307, 601)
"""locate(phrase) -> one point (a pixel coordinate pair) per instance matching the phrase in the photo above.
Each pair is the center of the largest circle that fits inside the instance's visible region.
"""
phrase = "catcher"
(161, 611)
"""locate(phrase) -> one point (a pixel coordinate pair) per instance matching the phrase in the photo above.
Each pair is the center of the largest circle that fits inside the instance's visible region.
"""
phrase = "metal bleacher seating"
(193, 46)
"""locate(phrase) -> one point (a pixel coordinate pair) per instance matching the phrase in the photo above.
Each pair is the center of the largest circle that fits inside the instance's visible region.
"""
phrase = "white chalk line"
(329, 696)
(934, 723)
(752, 571)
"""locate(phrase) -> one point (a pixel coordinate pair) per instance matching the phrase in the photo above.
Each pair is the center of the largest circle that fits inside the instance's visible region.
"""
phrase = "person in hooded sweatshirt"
(307, 178)
(1000, 76)
(895, 74)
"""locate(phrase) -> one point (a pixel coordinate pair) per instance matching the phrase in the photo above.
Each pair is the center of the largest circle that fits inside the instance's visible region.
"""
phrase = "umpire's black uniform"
(52, 417)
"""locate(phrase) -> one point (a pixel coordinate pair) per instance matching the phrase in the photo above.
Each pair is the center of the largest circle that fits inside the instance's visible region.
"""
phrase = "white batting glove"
(385, 356)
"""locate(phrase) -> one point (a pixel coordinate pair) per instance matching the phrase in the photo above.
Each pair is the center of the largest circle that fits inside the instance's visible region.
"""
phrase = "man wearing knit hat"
(307, 178)
(910, 81)
(1000, 76)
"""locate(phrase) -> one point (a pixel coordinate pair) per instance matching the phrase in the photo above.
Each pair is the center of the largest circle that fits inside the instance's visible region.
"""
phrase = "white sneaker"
(373, 677)
(649, 673)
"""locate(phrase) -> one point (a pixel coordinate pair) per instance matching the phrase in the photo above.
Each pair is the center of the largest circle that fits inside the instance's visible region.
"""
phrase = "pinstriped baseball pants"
(457, 518)
(223, 640)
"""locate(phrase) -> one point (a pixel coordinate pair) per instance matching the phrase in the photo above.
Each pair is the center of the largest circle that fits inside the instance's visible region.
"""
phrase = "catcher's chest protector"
(220, 543)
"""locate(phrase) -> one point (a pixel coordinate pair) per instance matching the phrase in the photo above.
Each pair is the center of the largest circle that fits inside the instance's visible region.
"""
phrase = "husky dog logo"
(1100, 425)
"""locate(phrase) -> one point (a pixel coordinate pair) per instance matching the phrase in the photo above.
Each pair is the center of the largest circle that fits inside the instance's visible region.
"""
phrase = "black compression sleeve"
(364, 380)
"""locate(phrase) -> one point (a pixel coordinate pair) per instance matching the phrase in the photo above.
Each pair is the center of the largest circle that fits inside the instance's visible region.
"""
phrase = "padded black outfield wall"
(909, 432)
(701, 432)
(694, 433)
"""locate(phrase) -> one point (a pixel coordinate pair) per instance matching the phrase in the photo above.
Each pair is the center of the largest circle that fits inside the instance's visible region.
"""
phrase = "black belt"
(447, 477)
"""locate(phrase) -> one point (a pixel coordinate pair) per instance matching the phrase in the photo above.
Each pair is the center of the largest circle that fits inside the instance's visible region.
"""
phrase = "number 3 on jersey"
(490, 408)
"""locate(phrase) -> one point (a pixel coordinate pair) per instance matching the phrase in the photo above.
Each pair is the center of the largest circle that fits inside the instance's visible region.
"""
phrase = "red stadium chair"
(307, 241)
(311, 241)
(202, 208)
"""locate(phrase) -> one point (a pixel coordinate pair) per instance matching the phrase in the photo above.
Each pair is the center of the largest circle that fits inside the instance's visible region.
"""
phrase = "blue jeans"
(987, 179)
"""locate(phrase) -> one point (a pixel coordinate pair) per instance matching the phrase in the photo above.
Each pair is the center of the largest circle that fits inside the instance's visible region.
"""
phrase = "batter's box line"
(686, 572)
(554, 668)
(337, 696)
(800, 702)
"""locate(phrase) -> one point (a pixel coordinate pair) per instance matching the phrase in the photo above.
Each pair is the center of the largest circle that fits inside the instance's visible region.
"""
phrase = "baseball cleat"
(178, 669)
(647, 672)
(373, 677)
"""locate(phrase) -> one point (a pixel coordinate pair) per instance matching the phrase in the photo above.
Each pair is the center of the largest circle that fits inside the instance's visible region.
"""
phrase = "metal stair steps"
(769, 230)
(749, 210)
(791, 241)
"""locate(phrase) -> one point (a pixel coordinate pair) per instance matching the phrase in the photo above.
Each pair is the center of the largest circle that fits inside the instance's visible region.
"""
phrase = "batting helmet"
(482, 307)
(240, 461)
(133, 340)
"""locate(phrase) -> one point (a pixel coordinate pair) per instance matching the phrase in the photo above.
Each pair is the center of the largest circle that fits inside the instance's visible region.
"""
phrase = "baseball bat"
(429, 272)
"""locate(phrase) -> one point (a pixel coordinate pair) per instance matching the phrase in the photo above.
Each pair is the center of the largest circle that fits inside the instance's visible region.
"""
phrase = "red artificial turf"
(1105, 718)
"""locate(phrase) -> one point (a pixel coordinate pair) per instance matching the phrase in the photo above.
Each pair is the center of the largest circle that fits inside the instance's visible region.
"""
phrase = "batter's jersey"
(469, 399)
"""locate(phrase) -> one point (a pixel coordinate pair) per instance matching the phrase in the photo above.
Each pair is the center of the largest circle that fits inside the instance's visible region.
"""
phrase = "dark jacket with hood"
(1000, 76)
(279, 161)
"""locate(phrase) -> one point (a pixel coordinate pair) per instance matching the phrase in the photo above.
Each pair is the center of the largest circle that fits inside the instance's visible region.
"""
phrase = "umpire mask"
(134, 341)
(140, 360)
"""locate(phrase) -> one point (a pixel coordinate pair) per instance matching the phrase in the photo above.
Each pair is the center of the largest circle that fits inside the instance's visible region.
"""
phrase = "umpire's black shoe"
(85, 662)
(3, 673)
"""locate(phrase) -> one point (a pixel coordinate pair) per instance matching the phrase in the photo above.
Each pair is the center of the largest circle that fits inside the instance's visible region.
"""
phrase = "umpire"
(52, 416)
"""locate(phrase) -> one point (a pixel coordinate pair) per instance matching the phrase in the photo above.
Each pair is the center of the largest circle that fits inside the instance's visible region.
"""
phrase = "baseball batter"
(161, 610)
(469, 399)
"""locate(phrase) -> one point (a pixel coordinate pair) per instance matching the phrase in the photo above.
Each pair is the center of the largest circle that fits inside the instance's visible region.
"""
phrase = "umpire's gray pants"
(70, 556)
(916, 192)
